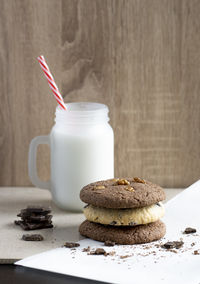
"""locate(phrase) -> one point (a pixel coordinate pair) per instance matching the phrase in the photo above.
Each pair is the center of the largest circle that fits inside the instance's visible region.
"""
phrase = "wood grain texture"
(27, 29)
(140, 57)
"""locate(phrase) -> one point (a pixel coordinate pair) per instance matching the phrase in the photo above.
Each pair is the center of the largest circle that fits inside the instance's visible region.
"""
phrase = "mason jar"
(82, 151)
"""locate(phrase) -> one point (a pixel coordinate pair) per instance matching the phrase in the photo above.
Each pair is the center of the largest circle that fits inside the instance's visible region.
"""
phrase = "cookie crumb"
(174, 244)
(111, 253)
(196, 252)
(86, 249)
(71, 245)
(98, 251)
(109, 243)
(126, 256)
(192, 244)
(189, 231)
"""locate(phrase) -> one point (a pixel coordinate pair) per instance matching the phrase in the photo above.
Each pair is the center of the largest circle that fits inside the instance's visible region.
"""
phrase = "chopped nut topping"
(122, 182)
(99, 187)
(129, 188)
(139, 180)
(115, 179)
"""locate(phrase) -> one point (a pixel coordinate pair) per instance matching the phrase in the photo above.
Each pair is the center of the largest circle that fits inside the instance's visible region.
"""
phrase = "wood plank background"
(140, 57)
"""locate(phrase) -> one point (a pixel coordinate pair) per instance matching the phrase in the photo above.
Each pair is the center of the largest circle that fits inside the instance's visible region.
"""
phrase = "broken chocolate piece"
(71, 245)
(35, 217)
(32, 237)
(171, 245)
(190, 230)
(109, 243)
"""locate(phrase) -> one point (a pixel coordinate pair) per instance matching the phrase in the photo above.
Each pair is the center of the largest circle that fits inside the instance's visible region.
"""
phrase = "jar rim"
(84, 107)
(82, 112)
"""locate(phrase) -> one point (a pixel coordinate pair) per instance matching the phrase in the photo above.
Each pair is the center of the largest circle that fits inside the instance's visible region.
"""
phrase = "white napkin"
(147, 263)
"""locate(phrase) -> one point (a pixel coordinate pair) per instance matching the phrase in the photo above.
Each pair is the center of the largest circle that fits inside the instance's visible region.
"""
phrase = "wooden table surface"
(66, 229)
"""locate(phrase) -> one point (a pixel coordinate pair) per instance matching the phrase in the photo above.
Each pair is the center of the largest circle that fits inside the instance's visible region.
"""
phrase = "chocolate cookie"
(122, 193)
(123, 235)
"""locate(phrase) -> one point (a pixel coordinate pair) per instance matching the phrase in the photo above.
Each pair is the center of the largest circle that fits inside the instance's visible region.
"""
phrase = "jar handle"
(32, 162)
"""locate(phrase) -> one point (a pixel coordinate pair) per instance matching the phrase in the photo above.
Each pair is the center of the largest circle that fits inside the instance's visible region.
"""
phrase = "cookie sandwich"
(124, 211)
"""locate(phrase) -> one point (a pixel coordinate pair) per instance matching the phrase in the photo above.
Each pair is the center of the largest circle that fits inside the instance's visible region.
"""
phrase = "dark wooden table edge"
(14, 274)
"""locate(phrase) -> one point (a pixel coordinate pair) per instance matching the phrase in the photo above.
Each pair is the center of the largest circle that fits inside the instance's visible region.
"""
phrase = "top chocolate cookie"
(122, 193)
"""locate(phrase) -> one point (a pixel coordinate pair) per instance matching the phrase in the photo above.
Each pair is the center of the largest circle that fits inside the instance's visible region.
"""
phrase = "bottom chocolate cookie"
(123, 235)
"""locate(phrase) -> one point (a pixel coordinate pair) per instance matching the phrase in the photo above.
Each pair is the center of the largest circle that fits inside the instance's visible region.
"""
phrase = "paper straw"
(51, 82)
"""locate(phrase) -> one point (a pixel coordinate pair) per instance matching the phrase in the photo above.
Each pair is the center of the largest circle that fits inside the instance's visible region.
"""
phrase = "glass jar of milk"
(82, 151)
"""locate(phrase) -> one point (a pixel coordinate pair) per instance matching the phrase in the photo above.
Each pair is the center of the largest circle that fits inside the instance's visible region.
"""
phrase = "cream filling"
(124, 217)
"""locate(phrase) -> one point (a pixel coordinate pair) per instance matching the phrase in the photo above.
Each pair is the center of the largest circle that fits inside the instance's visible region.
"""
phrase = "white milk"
(82, 151)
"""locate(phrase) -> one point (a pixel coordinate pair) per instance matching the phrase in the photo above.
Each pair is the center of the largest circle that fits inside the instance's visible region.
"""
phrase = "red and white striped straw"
(51, 82)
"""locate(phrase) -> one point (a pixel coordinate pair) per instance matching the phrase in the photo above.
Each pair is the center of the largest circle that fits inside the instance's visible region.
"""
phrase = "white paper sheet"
(148, 263)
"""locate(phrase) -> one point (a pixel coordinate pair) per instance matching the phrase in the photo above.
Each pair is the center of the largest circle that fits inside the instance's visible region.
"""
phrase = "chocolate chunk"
(32, 237)
(98, 251)
(171, 245)
(132, 224)
(33, 226)
(113, 223)
(86, 206)
(71, 245)
(158, 204)
(38, 209)
(37, 218)
(109, 243)
(189, 231)
(34, 211)
(22, 224)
